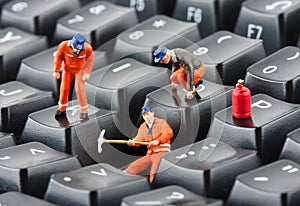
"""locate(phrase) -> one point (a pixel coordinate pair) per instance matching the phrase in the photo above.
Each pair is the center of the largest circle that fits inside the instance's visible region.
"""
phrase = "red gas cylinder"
(241, 101)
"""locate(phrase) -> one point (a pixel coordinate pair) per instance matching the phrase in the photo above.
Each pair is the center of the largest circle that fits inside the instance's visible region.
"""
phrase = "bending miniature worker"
(78, 59)
(158, 133)
(187, 69)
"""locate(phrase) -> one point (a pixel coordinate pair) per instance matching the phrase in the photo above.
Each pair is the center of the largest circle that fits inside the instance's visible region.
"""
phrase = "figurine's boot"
(84, 112)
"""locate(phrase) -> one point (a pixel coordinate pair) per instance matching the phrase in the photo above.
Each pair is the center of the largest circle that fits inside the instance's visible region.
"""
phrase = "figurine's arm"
(166, 134)
(190, 77)
(58, 59)
(89, 63)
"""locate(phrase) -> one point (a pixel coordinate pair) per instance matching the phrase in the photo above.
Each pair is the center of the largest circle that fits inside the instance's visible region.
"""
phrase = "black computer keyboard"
(216, 159)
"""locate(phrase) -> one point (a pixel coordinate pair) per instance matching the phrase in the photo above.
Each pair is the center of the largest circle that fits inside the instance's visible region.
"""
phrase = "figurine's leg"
(178, 77)
(155, 162)
(198, 73)
(139, 165)
(81, 95)
(64, 93)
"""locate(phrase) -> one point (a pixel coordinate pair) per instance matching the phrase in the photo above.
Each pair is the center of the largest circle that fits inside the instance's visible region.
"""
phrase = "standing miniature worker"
(78, 59)
(187, 69)
(158, 133)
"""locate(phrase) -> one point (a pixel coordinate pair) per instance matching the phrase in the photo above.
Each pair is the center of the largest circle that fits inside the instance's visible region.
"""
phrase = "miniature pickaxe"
(102, 140)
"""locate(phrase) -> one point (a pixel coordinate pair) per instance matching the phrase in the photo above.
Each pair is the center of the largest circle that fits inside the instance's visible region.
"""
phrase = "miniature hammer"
(102, 140)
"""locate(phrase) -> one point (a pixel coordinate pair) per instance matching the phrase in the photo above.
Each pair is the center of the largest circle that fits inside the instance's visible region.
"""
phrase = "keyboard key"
(148, 8)
(132, 81)
(27, 168)
(70, 134)
(291, 147)
(227, 56)
(210, 165)
(99, 184)
(266, 129)
(273, 184)
(18, 199)
(37, 70)
(209, 15)
(141, 40)
(277, 75)
(189, 119)
(98, 21)
(17, 101)
(10, 39)
(170, 195)
(7, 140)
(36, 16)
(275, 22)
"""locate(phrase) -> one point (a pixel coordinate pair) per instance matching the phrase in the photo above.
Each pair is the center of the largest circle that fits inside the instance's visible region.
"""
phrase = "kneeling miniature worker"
(187, 69)
(78, 59)
(158, 133)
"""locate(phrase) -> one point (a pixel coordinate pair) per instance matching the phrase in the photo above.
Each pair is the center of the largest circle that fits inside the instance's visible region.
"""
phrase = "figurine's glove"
(131, 142)
(189, 94)
(153, 143)
(56, 75)
(85, 76)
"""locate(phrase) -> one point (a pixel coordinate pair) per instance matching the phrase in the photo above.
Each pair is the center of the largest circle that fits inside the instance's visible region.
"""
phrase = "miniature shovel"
(102, 140)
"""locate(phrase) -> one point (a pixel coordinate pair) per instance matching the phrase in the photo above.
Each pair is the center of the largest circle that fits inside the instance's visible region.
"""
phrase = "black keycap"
(209, 15)
(148, 8)
(36, 16)
(275, 22)
(291, 147)
(70, 134)
(17, 101)
(37, 70)
(227, 56)
(170, 195)
(123, 86)
(26, 44)
(274, 184)
(266, 129)
(189, 119)
(277, 75)
(98, 22)
(99, 184)
(7, 140)
(141, 40)
(27, 168)
(208, 167)
(20, 199)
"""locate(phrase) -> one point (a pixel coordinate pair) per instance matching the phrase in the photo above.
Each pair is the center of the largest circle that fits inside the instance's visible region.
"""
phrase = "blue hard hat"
(159, 53)
(78, 42)
(146, 109)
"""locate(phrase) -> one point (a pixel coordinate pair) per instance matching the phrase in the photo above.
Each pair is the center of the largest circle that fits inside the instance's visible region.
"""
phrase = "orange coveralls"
(74, 65)
(162, 132)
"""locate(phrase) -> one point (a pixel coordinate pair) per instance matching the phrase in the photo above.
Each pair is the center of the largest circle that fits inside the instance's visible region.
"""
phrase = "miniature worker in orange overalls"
(187, 69)
(78, 59)
(158, 133)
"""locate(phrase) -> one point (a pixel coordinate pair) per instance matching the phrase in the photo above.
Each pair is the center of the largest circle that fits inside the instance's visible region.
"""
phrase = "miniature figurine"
(78, 59)
(241, 101)
(187, 69)
(157, 132)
